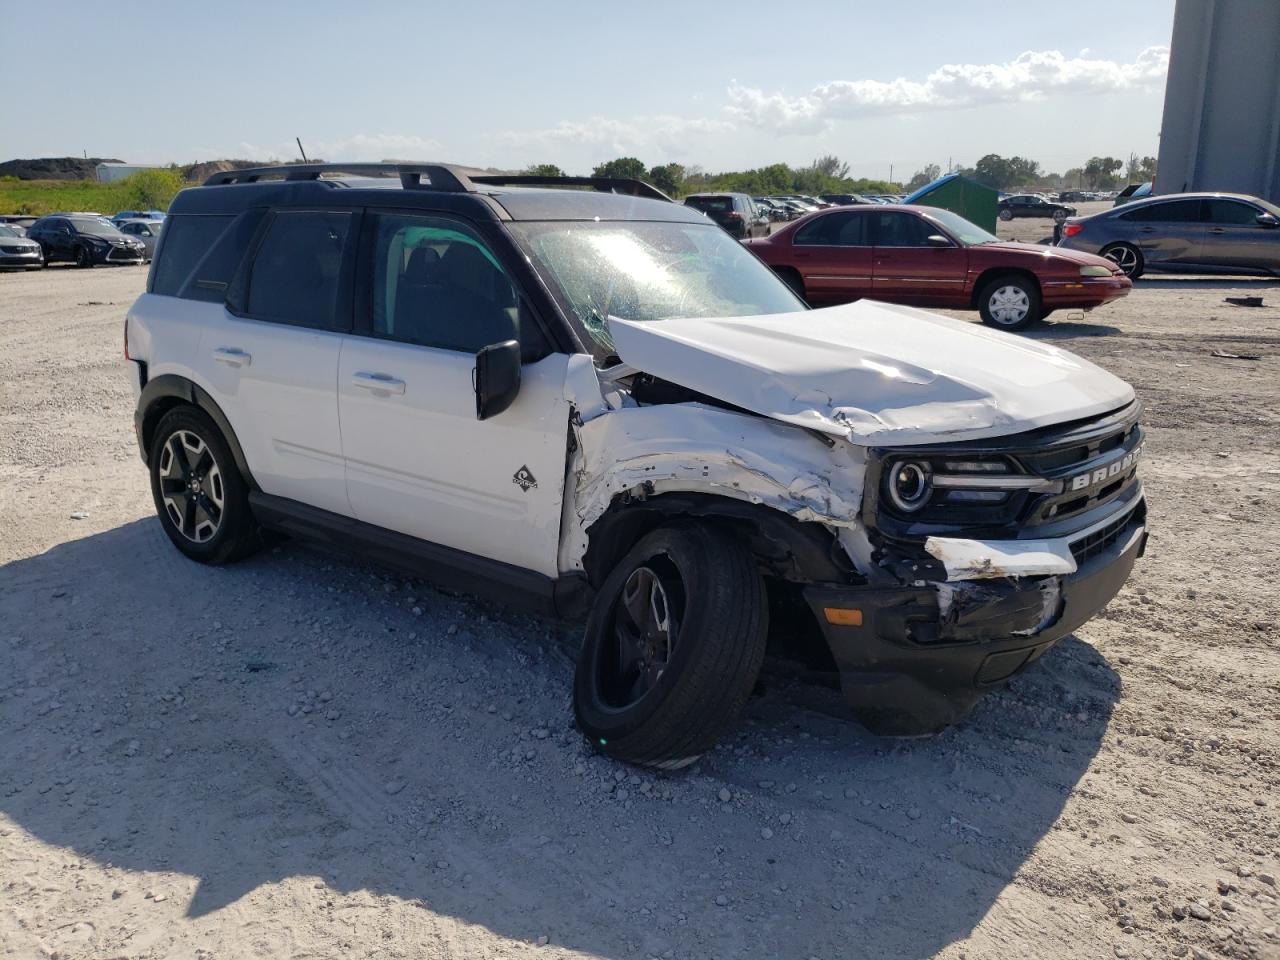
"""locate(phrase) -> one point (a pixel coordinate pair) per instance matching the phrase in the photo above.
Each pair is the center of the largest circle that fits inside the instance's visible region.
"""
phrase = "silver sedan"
(1196, 232)
(148, 231)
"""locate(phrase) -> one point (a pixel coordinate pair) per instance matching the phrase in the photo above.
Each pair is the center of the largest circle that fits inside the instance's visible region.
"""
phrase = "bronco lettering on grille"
(1102, 474)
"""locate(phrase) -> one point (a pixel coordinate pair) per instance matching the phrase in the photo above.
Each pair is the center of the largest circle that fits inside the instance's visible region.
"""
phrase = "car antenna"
(298, 140)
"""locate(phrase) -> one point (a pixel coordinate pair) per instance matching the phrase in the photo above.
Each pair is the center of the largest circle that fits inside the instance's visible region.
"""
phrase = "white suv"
(597, 402)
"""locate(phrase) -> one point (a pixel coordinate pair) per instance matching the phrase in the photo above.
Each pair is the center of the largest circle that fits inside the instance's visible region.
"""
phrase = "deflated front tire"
(673, 647)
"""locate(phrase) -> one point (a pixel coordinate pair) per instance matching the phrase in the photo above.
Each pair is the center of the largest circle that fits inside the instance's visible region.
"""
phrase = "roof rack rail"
(440, 176)
(448, 177)
(602, 184)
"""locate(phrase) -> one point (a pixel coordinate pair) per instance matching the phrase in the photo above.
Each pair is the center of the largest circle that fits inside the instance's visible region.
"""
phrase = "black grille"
(1086, 548)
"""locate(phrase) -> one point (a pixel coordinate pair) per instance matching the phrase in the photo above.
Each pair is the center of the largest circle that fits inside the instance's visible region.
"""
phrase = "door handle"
(378, 382)
(1218, 230)
(1147, 230)
(232, 356)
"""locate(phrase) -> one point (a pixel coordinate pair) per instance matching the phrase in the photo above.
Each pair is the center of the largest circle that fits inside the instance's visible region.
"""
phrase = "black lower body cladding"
(922, 656)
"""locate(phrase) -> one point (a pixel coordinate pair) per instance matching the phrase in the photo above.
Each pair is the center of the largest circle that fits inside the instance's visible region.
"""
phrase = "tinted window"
(834, 230)
(186, 240)
(718, 204)
(217, 264)
(1230, 213)
(1171, 211)
(298, 269)
(436, 284)
(902, 230)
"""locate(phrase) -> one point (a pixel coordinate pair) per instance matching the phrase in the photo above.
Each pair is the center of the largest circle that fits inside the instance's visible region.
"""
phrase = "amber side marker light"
(842, 617)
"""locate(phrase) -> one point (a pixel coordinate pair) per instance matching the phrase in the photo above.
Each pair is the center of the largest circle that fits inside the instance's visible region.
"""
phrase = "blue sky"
(724, 86)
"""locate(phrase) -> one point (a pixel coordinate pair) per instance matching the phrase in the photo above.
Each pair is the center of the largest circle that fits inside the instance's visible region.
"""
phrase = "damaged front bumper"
(914, 659)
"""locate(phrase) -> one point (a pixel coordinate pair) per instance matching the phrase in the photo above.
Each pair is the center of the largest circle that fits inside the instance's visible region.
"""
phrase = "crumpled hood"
(874, 373)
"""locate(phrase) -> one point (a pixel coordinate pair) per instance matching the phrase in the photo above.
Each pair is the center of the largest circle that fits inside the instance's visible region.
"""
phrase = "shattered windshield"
(643, 270)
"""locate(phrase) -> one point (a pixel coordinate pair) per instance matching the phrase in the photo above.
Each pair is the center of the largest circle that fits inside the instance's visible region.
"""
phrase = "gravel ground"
(302, 756)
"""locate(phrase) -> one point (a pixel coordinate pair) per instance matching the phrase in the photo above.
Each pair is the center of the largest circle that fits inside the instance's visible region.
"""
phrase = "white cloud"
(604, 137)
(1030, 76)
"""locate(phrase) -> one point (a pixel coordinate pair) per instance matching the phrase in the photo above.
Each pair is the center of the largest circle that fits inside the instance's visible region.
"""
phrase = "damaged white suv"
(596, 401)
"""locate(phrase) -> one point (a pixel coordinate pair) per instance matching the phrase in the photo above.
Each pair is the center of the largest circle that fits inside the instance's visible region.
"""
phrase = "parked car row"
(84, 238)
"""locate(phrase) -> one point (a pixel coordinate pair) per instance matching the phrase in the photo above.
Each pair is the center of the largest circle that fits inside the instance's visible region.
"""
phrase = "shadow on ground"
(143, 700)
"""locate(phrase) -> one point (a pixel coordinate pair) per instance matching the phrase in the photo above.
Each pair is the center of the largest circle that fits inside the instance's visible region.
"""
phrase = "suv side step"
(445, 566)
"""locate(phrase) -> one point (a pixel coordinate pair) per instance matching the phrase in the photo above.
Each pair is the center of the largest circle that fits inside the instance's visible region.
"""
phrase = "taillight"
(1071, 229)
(126, 338)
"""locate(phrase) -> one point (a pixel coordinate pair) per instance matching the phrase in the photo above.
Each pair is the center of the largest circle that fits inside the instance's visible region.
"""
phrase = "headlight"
(1095, 270)
(908, 485)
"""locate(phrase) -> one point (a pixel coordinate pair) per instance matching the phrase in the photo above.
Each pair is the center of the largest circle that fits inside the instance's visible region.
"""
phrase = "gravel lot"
(301, 756)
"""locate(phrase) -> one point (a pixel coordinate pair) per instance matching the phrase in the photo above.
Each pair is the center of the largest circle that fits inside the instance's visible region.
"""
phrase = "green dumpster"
(974, 201)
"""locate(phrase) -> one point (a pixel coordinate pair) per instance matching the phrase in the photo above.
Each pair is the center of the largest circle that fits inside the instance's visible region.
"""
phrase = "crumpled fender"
(693, 447)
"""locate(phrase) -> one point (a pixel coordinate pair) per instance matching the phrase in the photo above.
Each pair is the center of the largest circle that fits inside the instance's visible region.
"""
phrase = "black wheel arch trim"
(157, 398)
(784, 547)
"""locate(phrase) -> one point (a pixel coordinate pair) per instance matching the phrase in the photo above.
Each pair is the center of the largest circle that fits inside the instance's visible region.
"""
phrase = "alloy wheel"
(1009, 305)
(1126, 258)
(191, 486)
(645, 629)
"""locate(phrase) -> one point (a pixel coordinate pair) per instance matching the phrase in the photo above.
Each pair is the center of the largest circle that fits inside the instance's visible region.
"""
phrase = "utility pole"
(891, 173)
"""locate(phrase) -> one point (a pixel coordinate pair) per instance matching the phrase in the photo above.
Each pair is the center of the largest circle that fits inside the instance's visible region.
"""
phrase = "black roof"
(439, 187)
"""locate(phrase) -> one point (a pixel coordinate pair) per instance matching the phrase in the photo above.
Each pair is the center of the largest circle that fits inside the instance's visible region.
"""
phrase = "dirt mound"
(54, 168)
(199, 172)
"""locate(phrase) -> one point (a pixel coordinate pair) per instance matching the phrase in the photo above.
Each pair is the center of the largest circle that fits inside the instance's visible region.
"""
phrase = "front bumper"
(923, 655)
(32, 258)
(1085, 293)
(120, 255)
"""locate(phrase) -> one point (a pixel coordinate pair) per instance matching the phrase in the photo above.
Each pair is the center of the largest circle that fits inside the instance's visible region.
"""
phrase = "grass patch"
(144, 190)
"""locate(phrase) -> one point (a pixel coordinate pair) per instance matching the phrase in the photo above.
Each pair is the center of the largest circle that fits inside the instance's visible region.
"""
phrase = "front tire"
(200, 496)
(1011, 302)
(84, 258)
(1127, 257)
(673, 647)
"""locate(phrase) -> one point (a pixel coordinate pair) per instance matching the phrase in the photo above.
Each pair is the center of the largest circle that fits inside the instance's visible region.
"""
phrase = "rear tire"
(1006, 214)
(673, 647)
(200, 496)
(1127, 257)
(1010, 302)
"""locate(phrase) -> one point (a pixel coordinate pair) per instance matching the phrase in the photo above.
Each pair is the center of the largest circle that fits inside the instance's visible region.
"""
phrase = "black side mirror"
(497, 378)
(1268, 220)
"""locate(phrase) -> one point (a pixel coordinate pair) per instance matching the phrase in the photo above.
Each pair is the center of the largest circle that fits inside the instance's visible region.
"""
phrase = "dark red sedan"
(930, 257)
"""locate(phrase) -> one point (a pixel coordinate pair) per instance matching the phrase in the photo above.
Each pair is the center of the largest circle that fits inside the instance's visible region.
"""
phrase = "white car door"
(273, 369)
(418, 461)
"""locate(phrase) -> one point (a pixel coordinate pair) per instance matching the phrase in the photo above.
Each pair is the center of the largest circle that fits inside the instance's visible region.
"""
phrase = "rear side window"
(716, 204)
(209, 278)
(187, 239)
(834, 230)
(297, 271)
